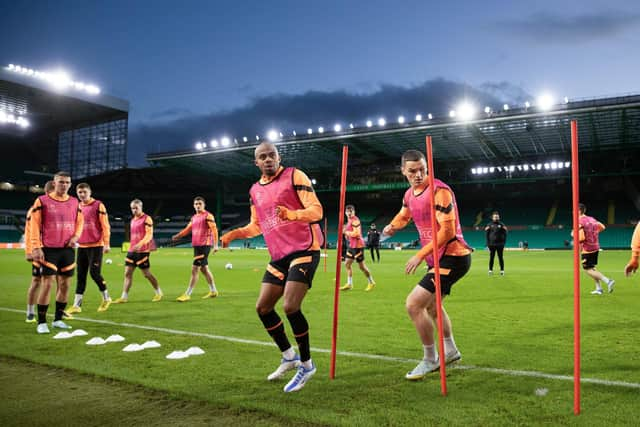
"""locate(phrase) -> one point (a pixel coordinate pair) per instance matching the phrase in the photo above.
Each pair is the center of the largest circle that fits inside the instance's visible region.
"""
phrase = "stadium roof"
(49, 108)
(497, 137)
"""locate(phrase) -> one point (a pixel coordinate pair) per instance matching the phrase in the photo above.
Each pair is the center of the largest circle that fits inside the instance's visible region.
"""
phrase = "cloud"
(544, 27)
(170, 114)
(286, 112)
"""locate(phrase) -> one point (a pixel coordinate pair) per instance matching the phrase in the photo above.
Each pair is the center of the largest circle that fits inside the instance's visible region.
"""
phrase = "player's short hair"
(199, 199)
(350, 208)
(83, 185)
(495, 213)
(412, 156)
(582, 208)
(62, 173)
(48, 187)
(136, 202)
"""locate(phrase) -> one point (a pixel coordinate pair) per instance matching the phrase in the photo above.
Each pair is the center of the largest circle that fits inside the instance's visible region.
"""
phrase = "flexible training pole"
(336, 292)
(575, 190)
(326, 233)
(436, 267)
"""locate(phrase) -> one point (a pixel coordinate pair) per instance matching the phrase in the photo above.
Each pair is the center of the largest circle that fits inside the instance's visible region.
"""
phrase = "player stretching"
(353, 232)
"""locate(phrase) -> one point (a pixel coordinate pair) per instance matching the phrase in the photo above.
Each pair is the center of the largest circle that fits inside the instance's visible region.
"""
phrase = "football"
(229, 266)
(108, 261)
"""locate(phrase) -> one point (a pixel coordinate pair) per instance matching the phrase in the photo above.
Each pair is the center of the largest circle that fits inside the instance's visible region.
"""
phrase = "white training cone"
(194, 351)
(177, 355)
(79, 333)
(133, 347)
(96, 341)
(151, 344)
(115, 338)
(62, 336)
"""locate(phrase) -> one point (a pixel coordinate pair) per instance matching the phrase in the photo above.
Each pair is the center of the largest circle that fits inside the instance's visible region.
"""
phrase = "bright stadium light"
(473, 171)
(567, 164)
(485, 170)
(492, 169)
(505, 107)
(313, 181)
(213, 143)
(59, 79)
(401, 119)
(337, 127)
(418, 117)
(257, 137)
(382, 122)
(465, 111)
(245, 139)
(272, 135)
(198, 145)
(281, 135)
(512, 168)
(565, 100)
(525, 167)
(452, 113)
(487, 110)
(430, 116)
(320, 129)
(351, 126)
(527, 104)
(369, 123)
(309, 131)
(545, 102)
(547, 165)
(225, 141)
(294, 133)
(554, 165)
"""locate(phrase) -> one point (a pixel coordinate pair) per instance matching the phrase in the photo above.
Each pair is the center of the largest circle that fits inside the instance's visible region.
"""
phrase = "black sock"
(301, 332)
(42, 313)
(274, 326)
(60, 306)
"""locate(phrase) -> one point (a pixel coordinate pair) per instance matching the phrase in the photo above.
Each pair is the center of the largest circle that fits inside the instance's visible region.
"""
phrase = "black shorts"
(296, 267)
(92, 257)
(137, 259)
(36, 269)
(201, 255)
(589, 260)
(58, 261)
(356, 254)
(452, 269)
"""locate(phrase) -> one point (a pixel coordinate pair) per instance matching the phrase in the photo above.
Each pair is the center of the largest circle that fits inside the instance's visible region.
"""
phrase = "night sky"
(200, 70)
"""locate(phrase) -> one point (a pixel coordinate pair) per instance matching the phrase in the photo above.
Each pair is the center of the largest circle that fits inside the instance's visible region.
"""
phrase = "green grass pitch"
(502, 325)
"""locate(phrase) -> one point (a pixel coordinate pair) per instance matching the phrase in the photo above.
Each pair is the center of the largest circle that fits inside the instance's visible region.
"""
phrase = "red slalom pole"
(575, 192)
(436, 266)
(325, 244)
(336, 292)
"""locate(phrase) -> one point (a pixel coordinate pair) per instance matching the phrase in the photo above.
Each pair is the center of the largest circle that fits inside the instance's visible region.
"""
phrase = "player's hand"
(286, 214)
(106, 249)
(631, 268)
(28, 257)
(226, 239)
(388, 230)
(37, 255)
(174, 237)
(136, 247)
(412, 264)
(72, 242)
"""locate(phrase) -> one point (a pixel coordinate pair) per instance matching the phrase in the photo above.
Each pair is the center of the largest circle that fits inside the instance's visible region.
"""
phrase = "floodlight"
(369, 123)
(545, 102)
(272, 135)
(418, 117)
(309, 131)
(320, 129)
(487, 110)
(465, 111)
(401, 119)
(505, 107)
(337, 127)
(213, 143)
(381, 121)
(430, 116)
(452, 113)
(225, 141)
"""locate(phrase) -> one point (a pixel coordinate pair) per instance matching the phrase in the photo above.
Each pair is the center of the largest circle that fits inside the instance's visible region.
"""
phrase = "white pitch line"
(515, 373)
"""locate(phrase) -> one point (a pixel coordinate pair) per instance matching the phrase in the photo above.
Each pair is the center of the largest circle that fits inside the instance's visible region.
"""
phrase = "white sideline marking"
(515, 373)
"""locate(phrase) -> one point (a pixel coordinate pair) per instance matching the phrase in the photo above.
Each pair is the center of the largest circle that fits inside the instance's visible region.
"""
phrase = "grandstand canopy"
(496, 138)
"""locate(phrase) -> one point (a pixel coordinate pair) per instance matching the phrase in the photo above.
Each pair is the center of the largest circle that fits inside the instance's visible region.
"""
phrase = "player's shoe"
(183, 298)
(596, 292)
(490, 273)
(60, 324)
(157, 297)
(286, 365)
(370, 287)
(74, 310)
(502, 272)
(423, 368)
(66, 315)
(346, 287)
(120, 301)
(452, 357)
(31, 318)
(104, 305)
(610, 284)
(300, 378)
(210, 294)
(42, 328)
